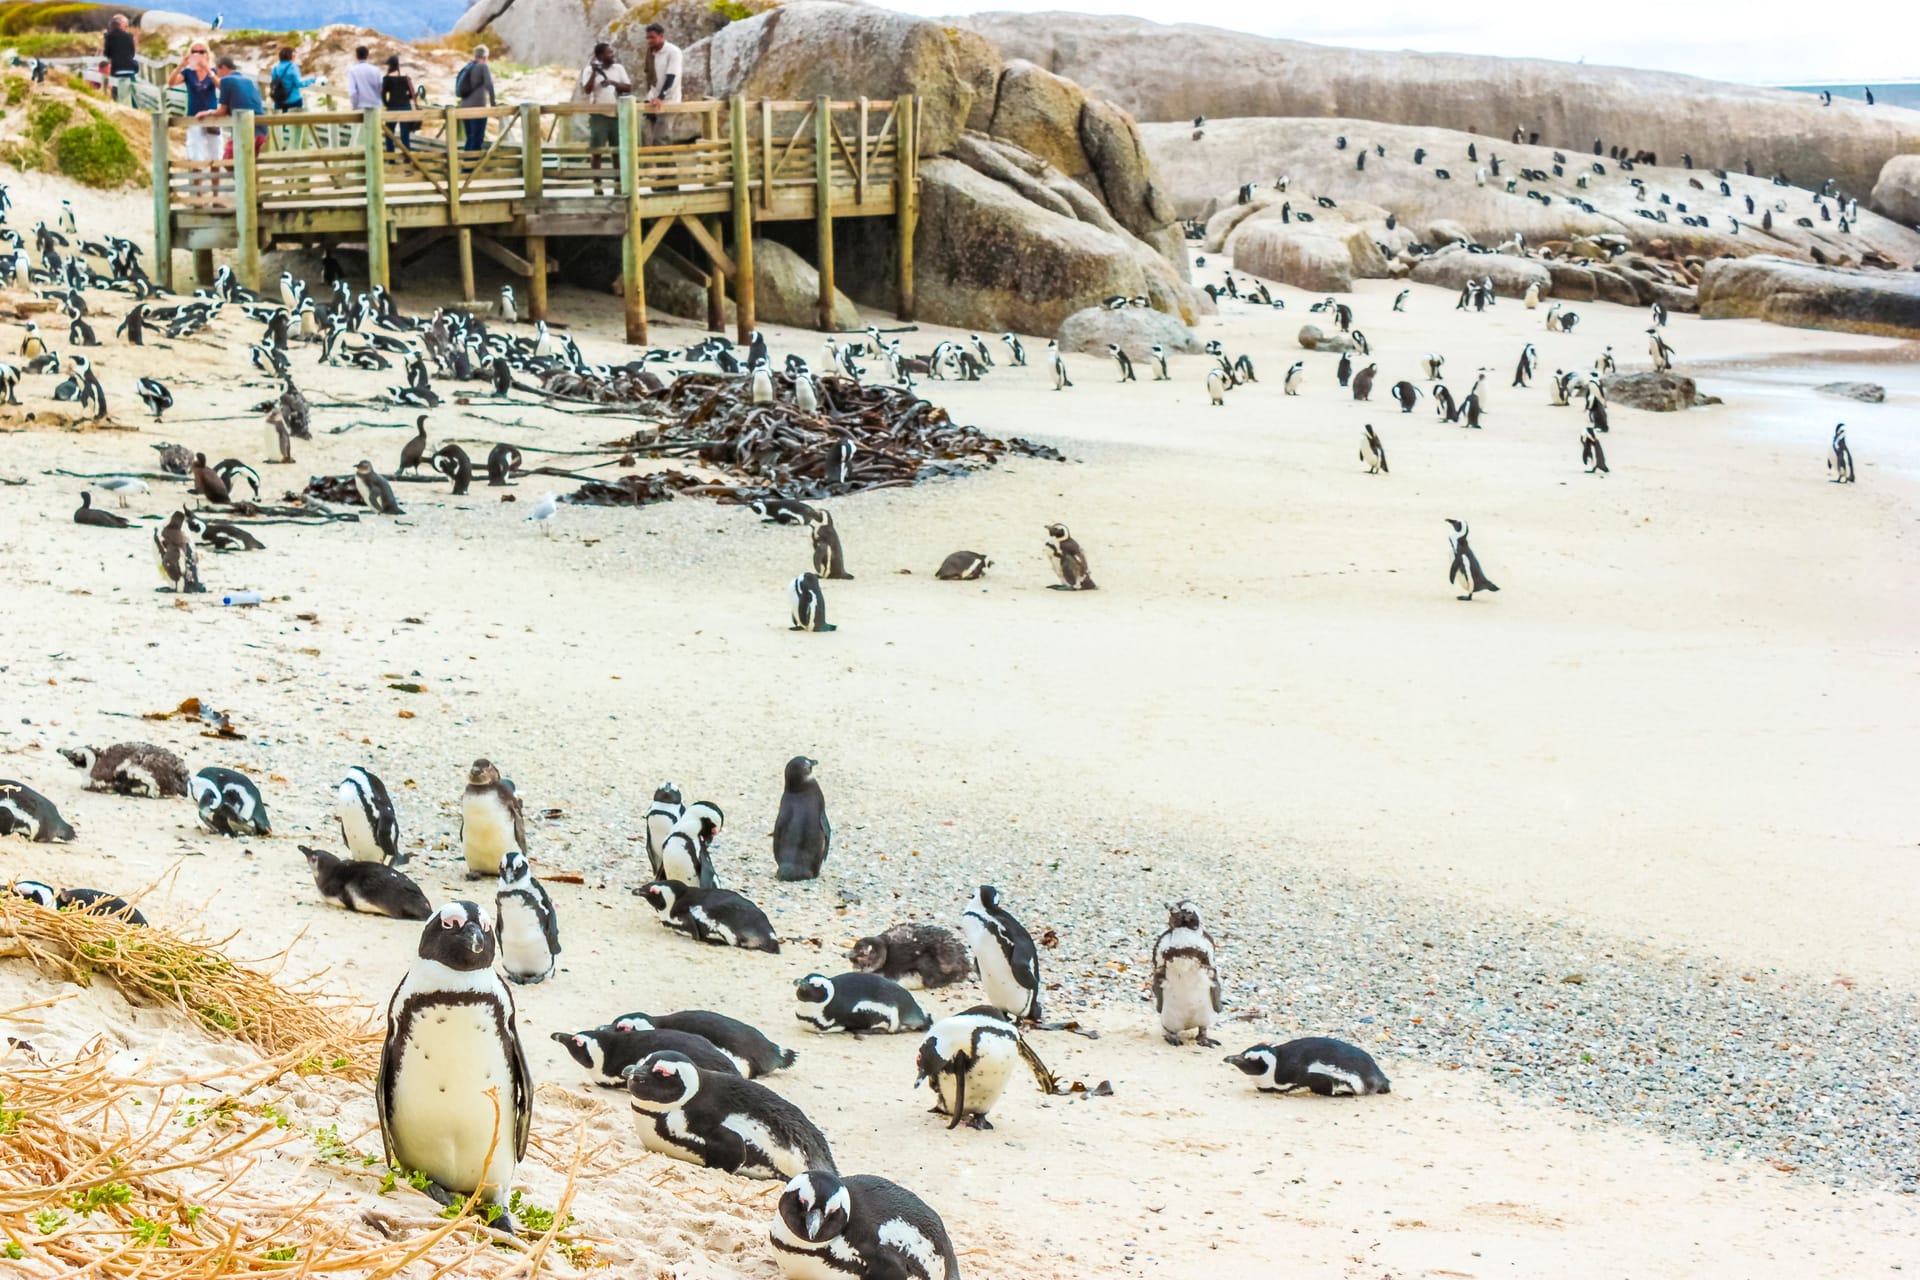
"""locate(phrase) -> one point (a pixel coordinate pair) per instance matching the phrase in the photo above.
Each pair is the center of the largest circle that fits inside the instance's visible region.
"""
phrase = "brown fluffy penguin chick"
(130, 769)
(207, 482)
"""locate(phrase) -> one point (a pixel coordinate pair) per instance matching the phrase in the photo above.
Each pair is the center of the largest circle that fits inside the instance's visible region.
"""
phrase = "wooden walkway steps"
(400, 181)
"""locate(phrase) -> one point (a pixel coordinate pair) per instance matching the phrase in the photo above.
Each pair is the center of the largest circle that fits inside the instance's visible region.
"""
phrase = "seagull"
(546, 512)
(121, 486)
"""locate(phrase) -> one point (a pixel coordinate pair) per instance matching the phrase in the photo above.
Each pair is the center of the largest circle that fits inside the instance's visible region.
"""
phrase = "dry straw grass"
(171, 1172)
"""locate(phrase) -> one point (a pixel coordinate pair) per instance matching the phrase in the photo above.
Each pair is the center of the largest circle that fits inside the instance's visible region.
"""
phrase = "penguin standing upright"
(454, 1096)
(968, 1059)
(808, 604)
(802, 836)
(179, 566)
(1523, 371)
(829, 558)
(1060, 378)
(662, 814)
(491, 821)
(1464, 573)
(862, 1225)
(1344, 370)
(684, 852)
(374, 489)
(1159, 354)
(369, 826)
(1123, 360)
(721, 1121)
(1291, 383)
(1406, 393)
(451, 461)
(1840, 457)
(1363, 383)
(1004, 953)
(1069, 561)
(1592, 456)
(1016, 350)
(525, 922)
(1216, 387)
(1662, 353)
(1372, 452)
(1186, 986)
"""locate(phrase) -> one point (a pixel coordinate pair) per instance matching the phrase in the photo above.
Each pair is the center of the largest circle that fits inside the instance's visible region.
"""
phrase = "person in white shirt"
(603, 82)
(664, 64)
(363, 81)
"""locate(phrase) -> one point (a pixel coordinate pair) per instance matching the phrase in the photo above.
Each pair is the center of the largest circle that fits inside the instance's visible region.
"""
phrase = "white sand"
(1684, 723)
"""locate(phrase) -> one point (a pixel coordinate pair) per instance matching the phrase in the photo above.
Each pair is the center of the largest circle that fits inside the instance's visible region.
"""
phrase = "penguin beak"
(813, 1224)
(476, 935)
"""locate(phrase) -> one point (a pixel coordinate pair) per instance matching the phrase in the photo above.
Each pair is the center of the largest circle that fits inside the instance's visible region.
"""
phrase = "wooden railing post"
(246, 200)
(716, 280)
(379, 269)
(162, 204)
(823, 206)
(906, 196)
(742, 218)
(633, 289)
(533, 182)
(766, 155)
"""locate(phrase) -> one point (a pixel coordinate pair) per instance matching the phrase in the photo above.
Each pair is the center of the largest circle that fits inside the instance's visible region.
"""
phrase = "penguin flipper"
(522, 1100)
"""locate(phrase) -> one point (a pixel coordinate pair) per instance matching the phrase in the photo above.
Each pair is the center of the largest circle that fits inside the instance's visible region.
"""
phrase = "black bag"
(460, 89)
(277, 89)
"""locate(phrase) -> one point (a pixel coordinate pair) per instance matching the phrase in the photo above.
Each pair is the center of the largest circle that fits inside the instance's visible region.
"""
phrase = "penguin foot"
(1468, 599)
(1204, 1041)
(1173, 1039)
(979, 1122)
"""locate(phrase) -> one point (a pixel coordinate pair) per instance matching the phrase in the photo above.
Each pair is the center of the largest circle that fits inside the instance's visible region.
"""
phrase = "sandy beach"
(1612, 871)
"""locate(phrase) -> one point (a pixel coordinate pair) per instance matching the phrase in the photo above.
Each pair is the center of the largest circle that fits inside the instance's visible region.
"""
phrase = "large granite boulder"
(1655, 392)
(1864, 392)
(1136, 329)
(1452, 268)
(786, 289)
(1897, 191)
(1163, 73)
(1294, 255)
(1313, 338)
(1028, 110)
(563, 32)
(1812, 297)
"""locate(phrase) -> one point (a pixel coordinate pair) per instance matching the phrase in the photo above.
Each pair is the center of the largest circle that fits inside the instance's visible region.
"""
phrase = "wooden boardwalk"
(333, 178)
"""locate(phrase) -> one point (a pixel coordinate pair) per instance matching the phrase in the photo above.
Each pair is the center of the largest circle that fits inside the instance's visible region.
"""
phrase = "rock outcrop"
(1864, 392)
(1161, 73)
(1897, 192)
(1291, 254)
(1137, 329)
(1511, 276)
(1812, 297)
(1655, 392)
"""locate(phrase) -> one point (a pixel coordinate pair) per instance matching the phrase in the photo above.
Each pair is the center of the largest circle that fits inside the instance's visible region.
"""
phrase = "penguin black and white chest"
(1291, 383)
(1523, 371)
(1186, 985)
(490, 820)
(1059, 366)
(1592, 456)
(374, 489)
(373, 888)
(752, 1052)
(662, 814)
(859, 1003)
(1004, 953)
(968, 1060)
(368, 823)
(609, 1053)
(684, 850)
(25, 812)
(229, 802)
(1124, 361)
(1159, 354)
(453, 1083)
(1464, 573)
(1318, 1063)
(1217, 383)
(131, 769)
(720, 917)
(1840, 457)
(525, 923)
(808, 604)
(802, 836)
(829, 1228)
(1068, 560)
(1372, 452)
(1016, 350)
(829, 558)
(722, 1121)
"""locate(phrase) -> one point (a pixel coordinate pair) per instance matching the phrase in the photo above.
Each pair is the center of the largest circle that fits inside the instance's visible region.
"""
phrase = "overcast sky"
(1758, 42)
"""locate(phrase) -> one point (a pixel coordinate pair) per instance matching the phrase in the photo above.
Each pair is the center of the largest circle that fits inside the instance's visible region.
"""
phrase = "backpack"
(460, 86)
(277, 86)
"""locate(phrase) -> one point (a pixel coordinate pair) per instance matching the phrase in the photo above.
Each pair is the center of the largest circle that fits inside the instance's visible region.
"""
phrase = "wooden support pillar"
(466, 262)
(633, 288)
(823, 207)
(379, 271)
(716, 283)
(162, 205)
(533, 179)
(246, 201)
(906, 196)
(456, 158)
(742, 218)
(202, 267)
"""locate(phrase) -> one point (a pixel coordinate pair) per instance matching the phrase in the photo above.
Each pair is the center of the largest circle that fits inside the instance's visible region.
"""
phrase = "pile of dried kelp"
(635, 490)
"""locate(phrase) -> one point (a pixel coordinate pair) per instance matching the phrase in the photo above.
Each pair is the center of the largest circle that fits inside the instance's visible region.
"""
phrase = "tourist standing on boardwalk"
(474, 87)
(286, 85)
(603, 83)
(203, 95)
(396, 94)
(237, 93)
(123, 59)
(363, 82)
(664, 62)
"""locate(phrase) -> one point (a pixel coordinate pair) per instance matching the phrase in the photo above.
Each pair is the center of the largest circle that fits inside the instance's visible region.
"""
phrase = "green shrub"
(731, 10)
(20, 156)
(97, 154)
(46, 116)
(17, 90)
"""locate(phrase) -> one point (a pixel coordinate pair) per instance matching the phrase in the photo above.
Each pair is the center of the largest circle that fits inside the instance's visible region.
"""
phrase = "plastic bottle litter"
(241, 597)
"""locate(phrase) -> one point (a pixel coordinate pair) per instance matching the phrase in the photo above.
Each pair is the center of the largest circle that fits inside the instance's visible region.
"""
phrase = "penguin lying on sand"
(718, 916)
(229, 803)
(93, 902)
(752, 1052)
(25, 812)
(914, 955)
(862, 1225)
(131, 769)
(962, 566)
(611, 1054)
(967, 1061)
(858, 1003)
(373, 888)
(722, 1121)
(1318, 1063)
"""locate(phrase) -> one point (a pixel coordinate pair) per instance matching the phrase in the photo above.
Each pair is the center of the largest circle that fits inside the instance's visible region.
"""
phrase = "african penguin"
(808, 604)
(829, 560)
(722, 1121)
(752, 1052)
(369, 826)
(1004, 953)
(829, 1228)
(962, 566)
(374, 490)
(179, 566)
(914, 955)
(683, 851)
(1372, 452)
(451, 461)
(716, 916)
(1464, 573)
(370, 887)
(1121, 359)
(525, 923)
(92, 902)
(967, 1061)
(858, 1003)
(453, 1093)
(1840, 457)
(802, 836)
(229, 802)
(1592, 456)
(1363, 383)
(1186, 986)
(1069, 561)
(1291, 383)
(491, 821)
(25, 812)
(782, 511)
(1060, 378)
(662, 814)
(1318, 1063)
(610, 1053)
(1216, 387)
(1406, 393)
(131, 769)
